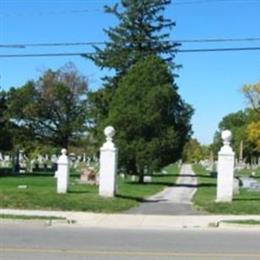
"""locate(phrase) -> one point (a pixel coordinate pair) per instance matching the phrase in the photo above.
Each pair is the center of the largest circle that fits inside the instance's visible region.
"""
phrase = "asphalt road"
(36, 241)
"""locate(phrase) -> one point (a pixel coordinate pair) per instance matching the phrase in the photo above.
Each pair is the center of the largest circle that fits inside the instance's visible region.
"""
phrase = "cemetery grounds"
(37, 190)
(246, 202)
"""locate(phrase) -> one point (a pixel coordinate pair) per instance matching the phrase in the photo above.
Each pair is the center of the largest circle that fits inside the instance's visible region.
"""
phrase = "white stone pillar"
(108, 165)
(62, 173)
(226, 160)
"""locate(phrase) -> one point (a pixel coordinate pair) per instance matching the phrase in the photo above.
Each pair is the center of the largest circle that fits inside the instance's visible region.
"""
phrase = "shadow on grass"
(79, 191)
(138, 199)
(247, 199)
(164, 175)
(36, 174)
(168, 184)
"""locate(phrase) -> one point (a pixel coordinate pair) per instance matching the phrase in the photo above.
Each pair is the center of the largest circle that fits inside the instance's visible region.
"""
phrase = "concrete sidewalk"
(123, 221)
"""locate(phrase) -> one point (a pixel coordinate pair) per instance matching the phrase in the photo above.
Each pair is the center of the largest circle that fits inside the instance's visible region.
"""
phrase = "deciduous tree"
(53, 109)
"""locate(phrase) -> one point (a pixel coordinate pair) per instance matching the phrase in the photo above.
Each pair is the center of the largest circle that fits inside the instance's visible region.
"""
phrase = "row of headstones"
(44, 162)
(212, 165)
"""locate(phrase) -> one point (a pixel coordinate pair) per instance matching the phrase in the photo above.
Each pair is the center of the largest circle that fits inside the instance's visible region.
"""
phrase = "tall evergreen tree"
(142, 31)
(151, 119)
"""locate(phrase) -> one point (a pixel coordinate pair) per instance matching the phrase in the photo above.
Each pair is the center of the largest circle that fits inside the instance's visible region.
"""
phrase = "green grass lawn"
(244, 203)
(247, 172)
(41, 193)
(243, 222)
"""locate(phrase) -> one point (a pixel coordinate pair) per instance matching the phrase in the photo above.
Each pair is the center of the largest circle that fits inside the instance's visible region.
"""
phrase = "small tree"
(252, 95)
(151, 119)
(193, 151)
(52, 109)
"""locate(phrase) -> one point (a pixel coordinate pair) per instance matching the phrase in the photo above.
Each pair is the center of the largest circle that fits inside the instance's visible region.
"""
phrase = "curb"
(127, 221)
(222, 224)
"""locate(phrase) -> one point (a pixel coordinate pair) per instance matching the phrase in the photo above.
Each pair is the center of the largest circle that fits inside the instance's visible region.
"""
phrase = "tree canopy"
(6, 139)
(151, 119)
(252, 95)
(142, 31)
(52, 109)
(245, 131)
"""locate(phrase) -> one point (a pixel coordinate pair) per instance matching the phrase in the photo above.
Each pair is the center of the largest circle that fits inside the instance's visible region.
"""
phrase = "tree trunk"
(141, 178)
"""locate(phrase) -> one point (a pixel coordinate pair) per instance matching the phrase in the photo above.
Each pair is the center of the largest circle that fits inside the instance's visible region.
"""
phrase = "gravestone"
(147, 179)
(108, 165)
(255, 187)
(225, 169)
(62, 173)
(88, 176)
(247, 182)
(134, 178)
(40, 161)
(236, 186)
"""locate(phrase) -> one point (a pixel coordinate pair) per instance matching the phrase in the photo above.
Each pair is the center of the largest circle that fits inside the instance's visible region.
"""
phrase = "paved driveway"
(175, 200)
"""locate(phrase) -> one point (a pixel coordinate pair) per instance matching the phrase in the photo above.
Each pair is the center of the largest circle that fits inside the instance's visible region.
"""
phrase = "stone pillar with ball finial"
(62, 173)
(226, 160)
(108, 165)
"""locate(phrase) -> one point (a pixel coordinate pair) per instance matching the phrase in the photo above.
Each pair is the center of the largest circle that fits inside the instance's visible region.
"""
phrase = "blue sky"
(210, 82)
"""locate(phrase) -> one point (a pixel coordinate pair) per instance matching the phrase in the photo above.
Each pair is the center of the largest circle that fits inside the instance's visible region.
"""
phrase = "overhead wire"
(255, 48)
(64, 44)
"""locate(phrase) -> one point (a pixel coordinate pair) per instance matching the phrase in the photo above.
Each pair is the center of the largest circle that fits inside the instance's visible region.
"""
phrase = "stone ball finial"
(63, 151)
(226, 136)
(109, 132)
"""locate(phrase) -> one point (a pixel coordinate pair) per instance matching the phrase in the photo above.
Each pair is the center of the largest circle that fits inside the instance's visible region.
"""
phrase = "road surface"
(36, 241)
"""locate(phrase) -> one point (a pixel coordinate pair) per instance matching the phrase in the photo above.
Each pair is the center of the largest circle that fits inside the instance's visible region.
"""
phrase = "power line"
(59, 44)
(22, 45)
(257, 48)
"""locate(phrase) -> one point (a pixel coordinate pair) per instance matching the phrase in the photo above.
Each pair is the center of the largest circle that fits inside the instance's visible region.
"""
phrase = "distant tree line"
(244, 125)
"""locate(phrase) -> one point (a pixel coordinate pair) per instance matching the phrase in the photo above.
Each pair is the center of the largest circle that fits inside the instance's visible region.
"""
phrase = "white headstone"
(147, 178)
(54, 158)
(226, 160)
(108, 165)
(62, 173)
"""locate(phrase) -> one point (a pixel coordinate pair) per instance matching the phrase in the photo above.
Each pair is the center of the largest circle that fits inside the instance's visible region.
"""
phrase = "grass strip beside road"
(39, 193)
(243, 222)
(245, 202)
(24, 217)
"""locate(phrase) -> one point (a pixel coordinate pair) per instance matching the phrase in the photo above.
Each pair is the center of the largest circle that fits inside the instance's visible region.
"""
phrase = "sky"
(209, 81)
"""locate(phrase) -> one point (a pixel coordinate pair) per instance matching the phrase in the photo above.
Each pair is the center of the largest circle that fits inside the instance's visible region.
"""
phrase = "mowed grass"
(247, 172)
(244, 203)
(41, 193)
